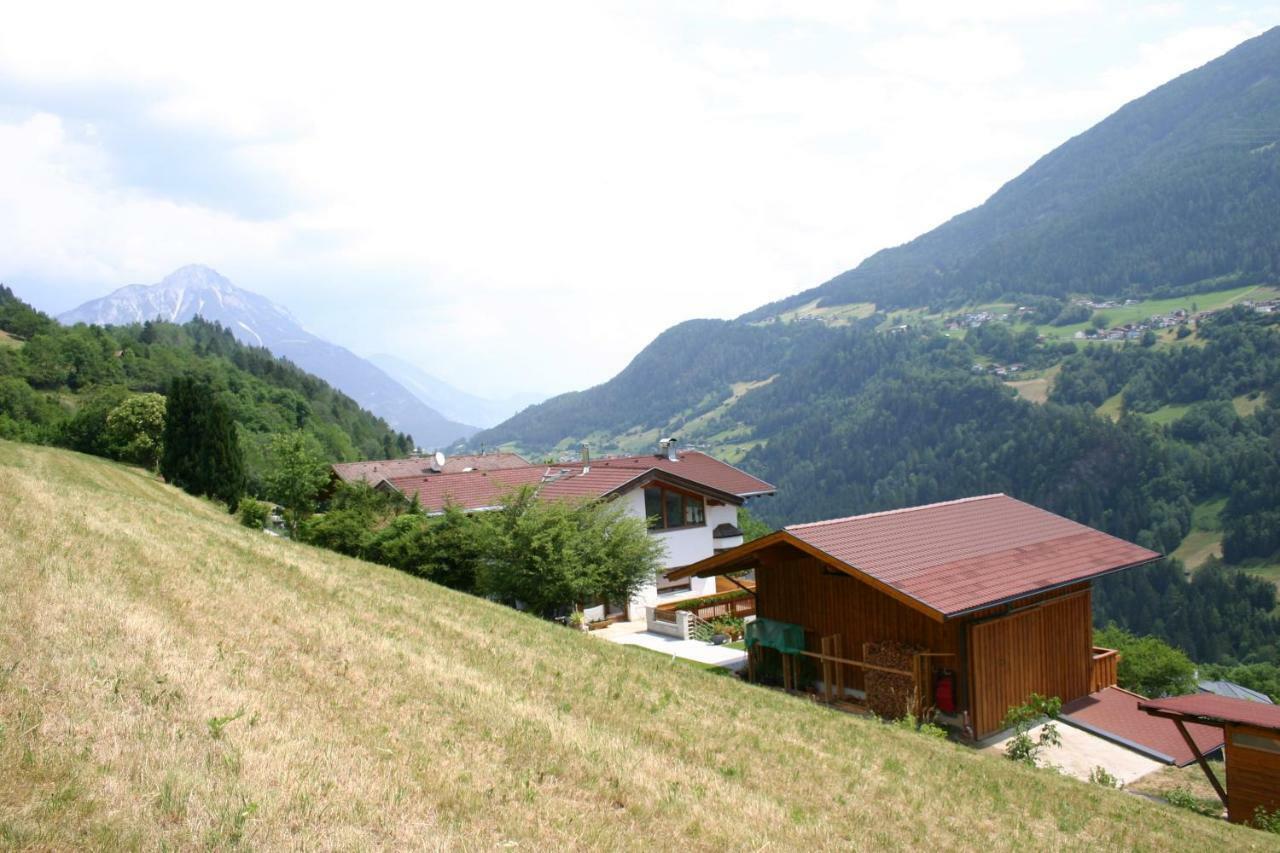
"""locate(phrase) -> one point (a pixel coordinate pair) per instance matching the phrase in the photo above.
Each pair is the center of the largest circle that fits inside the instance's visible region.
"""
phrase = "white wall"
(683, 546)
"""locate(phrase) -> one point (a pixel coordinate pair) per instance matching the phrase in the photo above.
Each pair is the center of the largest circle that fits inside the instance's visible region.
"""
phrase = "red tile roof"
(1218, 709)
(596, 483)
(963, 555)
(376, 470)
(472, 490)
(1115, 712)
(484, 489)
(697, 467)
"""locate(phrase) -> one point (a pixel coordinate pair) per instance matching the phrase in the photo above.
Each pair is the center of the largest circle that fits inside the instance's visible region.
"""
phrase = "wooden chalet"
(992, 593)
(1251, 731)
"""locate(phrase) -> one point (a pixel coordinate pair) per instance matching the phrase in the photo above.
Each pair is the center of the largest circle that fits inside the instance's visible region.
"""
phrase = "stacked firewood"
(890, 696)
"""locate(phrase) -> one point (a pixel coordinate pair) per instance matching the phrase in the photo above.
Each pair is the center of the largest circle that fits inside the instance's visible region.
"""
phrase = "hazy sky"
(521, 196)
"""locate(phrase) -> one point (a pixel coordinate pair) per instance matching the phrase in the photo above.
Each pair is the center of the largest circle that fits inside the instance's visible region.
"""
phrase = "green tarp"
(783, 636)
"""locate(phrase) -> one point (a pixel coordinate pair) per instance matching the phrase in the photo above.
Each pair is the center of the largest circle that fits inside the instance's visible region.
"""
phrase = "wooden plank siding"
(1046, 648)
(805, 591)
(1253, 774)
(1040, 644)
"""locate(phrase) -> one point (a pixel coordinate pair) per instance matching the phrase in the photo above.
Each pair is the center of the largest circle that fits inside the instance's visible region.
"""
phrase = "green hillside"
(1178, 190)
(684, 382)
(222, 688)
(58, 385)
(875, 391)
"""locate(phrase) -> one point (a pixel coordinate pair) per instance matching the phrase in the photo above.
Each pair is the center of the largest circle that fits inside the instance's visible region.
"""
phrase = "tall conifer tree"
(201, 451)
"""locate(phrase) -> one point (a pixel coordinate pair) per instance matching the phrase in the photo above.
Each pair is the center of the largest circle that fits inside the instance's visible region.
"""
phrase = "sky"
(520, 197)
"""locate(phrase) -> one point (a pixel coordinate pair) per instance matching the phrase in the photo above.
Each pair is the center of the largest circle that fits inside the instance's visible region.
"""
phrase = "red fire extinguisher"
(944, 691)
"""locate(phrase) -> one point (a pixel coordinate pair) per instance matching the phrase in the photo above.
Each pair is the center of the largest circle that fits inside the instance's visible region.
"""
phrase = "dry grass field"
(171, 680)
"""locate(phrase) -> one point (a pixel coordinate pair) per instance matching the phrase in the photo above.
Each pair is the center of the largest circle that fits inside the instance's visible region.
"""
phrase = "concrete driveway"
(1082, 751)
(634, 634)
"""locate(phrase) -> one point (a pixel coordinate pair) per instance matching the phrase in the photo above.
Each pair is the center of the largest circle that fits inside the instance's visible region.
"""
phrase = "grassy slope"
(1205, 538)
(380, 710)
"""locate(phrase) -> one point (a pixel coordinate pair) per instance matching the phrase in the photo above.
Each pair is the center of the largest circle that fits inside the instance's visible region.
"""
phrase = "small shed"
(1252, 734)
(989, 596)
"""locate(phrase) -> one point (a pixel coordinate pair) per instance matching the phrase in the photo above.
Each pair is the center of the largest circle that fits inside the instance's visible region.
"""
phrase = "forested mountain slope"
(1176, 192)
(683, 377)
(58, 384)
(851, 411)
(1178, 188)
(198, 291)
(257, 693)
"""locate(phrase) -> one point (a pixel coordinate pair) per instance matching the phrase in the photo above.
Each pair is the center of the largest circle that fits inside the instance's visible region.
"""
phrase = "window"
(1252, 741)
(667, 508)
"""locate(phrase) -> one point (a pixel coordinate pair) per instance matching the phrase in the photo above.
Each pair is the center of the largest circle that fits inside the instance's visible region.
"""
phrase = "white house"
(690, 498)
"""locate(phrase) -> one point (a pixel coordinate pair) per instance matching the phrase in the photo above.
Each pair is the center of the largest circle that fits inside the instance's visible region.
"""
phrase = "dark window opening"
(667, 508)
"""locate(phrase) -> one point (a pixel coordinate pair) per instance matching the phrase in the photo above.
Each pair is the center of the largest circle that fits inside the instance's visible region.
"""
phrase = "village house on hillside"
(972, 605)
(690, 499)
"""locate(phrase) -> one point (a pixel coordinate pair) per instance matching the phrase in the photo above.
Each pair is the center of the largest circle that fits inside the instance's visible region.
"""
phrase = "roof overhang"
(650, 475)
(729, 561)
(1050, 588)
(1153, 708)
(746, 556)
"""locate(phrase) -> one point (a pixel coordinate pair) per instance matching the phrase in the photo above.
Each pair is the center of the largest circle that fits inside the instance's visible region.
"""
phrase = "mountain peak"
(200, 290)
(197, 277)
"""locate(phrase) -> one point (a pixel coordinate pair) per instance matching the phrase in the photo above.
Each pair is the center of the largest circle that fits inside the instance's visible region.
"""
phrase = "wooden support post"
(837, 653)
(918, 666)
(1204, 765)
(826, 669)
(751, 663)
(786, 672)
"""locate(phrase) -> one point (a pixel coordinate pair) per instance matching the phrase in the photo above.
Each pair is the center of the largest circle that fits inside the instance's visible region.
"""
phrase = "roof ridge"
(898, 511)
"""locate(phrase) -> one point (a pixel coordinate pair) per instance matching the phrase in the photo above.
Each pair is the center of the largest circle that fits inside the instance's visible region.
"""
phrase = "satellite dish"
(439, 460)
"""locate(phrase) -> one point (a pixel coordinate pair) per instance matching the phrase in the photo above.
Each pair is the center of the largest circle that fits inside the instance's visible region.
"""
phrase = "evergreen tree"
(201, 450)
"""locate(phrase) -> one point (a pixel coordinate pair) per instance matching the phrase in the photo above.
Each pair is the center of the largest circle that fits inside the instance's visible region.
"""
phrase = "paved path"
(634, 634)
(1082, 751)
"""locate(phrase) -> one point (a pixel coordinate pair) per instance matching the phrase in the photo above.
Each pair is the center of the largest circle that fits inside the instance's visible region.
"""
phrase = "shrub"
(1266, 821)
(135, 429)
(1101, 776)
(924, 727)
(718, 598)
(1022, 747)
(1184, 799)
(343, 530)
(730, 626)
(254, 514)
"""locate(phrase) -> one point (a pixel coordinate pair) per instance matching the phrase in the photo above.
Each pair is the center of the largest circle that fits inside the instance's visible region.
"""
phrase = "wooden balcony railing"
(711, 607)
(1103, 669)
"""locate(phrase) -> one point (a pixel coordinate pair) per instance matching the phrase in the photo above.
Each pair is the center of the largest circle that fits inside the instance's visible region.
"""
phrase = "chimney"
(586, 457)
(667, 448)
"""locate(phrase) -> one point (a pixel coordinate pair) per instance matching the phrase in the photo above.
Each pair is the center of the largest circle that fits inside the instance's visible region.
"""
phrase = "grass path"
(171, 680)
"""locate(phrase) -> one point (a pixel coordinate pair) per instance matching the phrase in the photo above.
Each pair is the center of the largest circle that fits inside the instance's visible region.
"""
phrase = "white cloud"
(524, 195)
(63, 220)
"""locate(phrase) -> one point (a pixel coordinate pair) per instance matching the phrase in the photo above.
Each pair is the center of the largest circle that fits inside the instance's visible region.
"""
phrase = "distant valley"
(452, 402)
(1100, 338)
